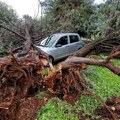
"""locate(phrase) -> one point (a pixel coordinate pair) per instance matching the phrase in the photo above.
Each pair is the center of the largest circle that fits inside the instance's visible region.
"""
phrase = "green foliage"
(7, 14)
(68, 17)
(108, 17)
(56, 109)
(87, 18)
(7, 17)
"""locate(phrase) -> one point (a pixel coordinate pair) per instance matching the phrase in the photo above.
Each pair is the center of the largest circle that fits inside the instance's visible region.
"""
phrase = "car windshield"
(49, 41)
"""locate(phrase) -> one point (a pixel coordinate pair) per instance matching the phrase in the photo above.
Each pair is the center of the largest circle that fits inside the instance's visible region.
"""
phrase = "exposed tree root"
(22, 77)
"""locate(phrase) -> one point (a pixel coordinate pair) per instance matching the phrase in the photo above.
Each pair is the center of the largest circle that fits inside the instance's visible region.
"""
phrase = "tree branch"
(13, 31)
(74, 61)
(16, 49)
(115, 52)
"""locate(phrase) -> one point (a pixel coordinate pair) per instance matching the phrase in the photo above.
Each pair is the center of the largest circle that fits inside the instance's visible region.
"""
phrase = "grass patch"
(56, 109)
(105, 84)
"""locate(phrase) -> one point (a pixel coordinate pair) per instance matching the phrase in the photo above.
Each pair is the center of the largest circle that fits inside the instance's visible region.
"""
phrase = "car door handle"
(67, 46)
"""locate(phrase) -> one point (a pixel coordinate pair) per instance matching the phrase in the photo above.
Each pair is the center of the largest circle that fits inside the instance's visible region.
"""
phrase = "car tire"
(51, 59)
(79, 48)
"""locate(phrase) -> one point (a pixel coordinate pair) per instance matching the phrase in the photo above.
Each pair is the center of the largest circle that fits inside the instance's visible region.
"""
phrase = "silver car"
(61, 45)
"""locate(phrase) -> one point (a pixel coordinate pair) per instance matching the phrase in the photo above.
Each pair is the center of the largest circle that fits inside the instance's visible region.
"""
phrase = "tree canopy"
(82, 16)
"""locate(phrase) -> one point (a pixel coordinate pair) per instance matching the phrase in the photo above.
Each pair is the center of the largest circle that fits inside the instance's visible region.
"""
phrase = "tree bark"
(74, 61)
(27, 43)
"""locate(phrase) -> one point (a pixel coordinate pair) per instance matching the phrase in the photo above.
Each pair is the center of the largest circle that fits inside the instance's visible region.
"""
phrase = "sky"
(30, 7)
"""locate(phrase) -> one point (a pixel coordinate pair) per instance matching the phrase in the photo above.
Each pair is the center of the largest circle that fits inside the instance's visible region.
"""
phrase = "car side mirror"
(58, 45)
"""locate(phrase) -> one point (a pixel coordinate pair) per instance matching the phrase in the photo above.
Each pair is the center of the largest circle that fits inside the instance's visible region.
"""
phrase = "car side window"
(74, 38)
(63, 40)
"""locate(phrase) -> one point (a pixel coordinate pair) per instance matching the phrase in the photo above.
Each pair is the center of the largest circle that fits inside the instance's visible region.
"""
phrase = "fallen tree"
(22, 77)
(23, 74)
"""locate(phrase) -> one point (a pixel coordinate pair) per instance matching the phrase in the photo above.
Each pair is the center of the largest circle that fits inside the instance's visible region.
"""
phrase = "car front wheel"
(51, 59)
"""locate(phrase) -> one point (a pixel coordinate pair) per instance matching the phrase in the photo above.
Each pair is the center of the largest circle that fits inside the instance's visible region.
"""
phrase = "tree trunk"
(100, 45)
(27, 43)
(85, 50)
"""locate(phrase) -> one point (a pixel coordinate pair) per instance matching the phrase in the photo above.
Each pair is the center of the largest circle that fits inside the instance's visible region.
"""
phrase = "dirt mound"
(26, 109)
(114, 105)
(29, 107)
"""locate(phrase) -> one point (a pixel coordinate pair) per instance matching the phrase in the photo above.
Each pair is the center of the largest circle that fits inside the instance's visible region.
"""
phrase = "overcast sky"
(29, 7)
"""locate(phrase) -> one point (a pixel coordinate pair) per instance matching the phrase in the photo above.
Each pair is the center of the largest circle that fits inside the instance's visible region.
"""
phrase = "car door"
(62, 47)
(74, 43)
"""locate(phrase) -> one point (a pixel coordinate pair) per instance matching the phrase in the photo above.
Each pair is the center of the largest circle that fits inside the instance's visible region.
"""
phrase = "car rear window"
(74, 38)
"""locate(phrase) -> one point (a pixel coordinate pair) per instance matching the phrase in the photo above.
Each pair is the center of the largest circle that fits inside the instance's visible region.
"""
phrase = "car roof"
(62, 34)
